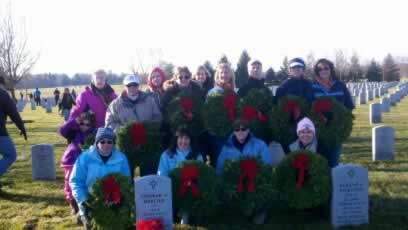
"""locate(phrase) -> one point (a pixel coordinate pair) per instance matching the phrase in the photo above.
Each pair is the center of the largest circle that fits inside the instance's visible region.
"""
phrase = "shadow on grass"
(28, 198)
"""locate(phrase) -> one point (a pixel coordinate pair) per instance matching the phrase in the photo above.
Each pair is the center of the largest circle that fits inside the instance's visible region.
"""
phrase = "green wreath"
(254, 108)
(284, 118)
(139, 141)
(316, 186)
(88, 141)
(246, 201)
(184, 110)
(333, 121)
(106, 211)
(200, 198)
(219, 113)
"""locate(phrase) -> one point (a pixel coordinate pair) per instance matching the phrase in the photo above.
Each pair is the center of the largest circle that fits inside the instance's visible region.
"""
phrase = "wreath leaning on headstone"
(303, 179)
(284, 118)
(247, 185)
(112, 202)
(333, 121)
(219, 112)
(185, 110)
(139, 141)
(254, 108)
(196, 189)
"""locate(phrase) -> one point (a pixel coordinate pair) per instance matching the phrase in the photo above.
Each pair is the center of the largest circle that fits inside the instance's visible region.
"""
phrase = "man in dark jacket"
(255, 81)
(297, 84)
(8, 108)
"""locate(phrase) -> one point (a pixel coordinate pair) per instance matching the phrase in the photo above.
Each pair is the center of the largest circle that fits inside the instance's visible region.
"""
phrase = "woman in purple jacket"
(75, 131)
(95, 98)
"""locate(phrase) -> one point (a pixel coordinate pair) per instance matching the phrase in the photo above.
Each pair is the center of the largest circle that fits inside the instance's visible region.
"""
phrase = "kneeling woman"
(98, 161)
(181, 149)
(243, 143)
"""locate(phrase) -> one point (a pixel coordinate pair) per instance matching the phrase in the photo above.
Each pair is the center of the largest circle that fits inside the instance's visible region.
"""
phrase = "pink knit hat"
(305, 123)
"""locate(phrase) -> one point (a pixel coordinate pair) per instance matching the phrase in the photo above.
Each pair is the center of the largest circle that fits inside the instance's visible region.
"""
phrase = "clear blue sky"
(82, 35)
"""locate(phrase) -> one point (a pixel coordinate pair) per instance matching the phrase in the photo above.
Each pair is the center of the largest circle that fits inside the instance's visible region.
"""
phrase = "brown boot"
(74, 207)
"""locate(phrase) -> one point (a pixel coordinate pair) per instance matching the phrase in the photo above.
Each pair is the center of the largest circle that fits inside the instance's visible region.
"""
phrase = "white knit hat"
(305, 123)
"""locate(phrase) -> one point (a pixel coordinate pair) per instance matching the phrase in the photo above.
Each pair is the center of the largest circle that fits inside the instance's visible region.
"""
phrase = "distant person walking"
(66, 104)
(56, 95)
(37, 96)
(96, 98)
(7, 149)
(73, 94)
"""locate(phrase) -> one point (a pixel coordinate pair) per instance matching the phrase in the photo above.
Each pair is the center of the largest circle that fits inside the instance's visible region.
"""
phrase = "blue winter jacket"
(89, 167)
(338, 90)
(297, 87)
(254, 148)
(168, 163)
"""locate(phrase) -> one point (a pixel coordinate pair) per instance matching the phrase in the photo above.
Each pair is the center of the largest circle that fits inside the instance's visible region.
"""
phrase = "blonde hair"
(217, 75)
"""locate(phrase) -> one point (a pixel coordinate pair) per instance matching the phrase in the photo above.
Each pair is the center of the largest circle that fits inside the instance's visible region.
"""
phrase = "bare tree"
(15, 59)
(342, 65)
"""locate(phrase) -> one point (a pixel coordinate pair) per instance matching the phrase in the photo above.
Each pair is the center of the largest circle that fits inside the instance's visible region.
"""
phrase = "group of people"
(98, 108)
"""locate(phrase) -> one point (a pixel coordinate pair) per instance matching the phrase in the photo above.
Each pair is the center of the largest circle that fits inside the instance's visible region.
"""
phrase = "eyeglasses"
(106, 142)
(241, 129)
(324, 68)
(184, 77)
(85, 124)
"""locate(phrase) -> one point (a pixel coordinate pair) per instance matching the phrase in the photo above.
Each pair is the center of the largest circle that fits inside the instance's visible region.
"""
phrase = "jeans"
(66, 114)
(8, 153)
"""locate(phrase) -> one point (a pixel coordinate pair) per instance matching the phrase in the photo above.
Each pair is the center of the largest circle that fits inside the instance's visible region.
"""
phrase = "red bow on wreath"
(248, 170)
(250, 112)
(187, 105)
(111, 188)
(152, 224)
(292, 107)
(229, 104)
(188, 176)
(138, 134)
(300, 163)
(322, 106)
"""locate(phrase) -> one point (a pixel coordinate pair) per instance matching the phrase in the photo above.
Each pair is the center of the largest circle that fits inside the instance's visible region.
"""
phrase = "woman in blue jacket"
(98, 161)
(243, 143)
(326, 84)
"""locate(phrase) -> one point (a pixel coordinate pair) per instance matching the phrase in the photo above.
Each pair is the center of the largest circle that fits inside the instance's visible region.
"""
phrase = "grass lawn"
(41, 205)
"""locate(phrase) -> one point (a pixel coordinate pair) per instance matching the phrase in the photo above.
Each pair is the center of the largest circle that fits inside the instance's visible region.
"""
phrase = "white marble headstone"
(383, 139)
(153, 199)
(43, 163)
(349, 204)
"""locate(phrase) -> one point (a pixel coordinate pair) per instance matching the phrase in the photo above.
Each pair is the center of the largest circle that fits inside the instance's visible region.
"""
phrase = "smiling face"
(100, 79)
(324, 71)
(105, 146)
(132, 89)
(183, 142)
(306, 136)
(184, 79)
(156, 79)
(201, 76)
(241, 133)
(296, 71)
(85, 125)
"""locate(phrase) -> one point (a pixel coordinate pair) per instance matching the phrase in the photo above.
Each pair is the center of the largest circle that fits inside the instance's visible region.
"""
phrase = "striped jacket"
(338, 90)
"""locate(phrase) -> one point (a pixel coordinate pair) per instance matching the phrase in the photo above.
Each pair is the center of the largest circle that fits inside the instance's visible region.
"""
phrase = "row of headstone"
(21, 105)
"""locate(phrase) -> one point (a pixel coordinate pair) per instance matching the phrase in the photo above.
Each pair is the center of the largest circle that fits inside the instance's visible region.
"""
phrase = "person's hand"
(24, 134)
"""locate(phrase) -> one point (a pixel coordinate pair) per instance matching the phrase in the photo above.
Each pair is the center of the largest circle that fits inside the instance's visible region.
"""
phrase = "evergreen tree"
(283, 73)
(210, 68)
(270, 76)
(224, 59)
(356, 71)
(390, 69)
(241, 74)
(374, 72)
(168, 68)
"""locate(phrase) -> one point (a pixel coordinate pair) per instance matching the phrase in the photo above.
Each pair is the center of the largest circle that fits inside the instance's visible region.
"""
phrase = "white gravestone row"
(349, 205)
(383, 140)
(43, 163)
(48, 106)
(375, 113)
(153, 199)
(385, 104)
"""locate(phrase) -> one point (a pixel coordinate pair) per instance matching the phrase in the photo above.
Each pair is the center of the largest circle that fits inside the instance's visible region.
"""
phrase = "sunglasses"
(132, 84)
(85, 124)
(106, 142)
(324, 68)
(183, 77)
(241, 129)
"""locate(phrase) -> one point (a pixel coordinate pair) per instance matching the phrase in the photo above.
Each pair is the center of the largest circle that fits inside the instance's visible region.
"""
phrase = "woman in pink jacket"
(95, 98)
